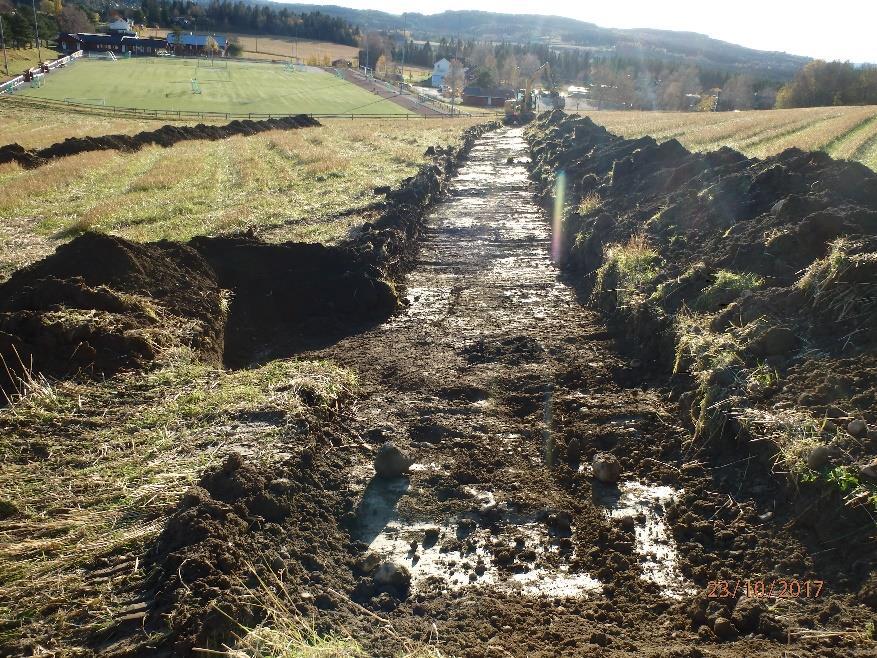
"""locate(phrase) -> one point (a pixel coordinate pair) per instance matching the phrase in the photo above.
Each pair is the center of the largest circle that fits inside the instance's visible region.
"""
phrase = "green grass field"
(229, 86)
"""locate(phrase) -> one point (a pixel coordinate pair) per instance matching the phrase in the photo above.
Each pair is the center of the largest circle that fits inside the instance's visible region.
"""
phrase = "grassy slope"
(93, 469)
(843, 132)
(38, 128)
(21, 59)
(240, 87)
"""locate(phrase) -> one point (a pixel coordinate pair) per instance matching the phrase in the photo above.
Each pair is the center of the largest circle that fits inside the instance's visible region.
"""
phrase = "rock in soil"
(391, 462)
(390, 575)
(818, 457)
(606, 467)
(857, 427)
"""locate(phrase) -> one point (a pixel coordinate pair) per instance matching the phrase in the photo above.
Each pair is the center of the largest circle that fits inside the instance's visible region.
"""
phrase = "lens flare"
(557, 217)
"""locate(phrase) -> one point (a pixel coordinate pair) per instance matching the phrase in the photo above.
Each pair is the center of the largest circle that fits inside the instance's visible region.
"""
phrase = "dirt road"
(503, 386)
(380, 89)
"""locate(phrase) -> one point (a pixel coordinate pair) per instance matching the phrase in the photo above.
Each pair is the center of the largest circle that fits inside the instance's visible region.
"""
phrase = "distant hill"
(566, 32)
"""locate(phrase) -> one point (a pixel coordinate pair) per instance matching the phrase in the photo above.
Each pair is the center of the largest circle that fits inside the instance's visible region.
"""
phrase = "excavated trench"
(503, 387)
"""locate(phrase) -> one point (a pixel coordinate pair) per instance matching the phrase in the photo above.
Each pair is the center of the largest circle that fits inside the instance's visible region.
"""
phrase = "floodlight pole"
(3, 39)
(404, 44)
(36, 28)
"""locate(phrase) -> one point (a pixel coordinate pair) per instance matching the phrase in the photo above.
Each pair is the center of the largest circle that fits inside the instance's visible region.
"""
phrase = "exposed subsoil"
(166, 136)
(502, 387)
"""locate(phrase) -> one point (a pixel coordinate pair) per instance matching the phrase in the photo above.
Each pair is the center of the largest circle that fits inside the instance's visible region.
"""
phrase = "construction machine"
(522, 108)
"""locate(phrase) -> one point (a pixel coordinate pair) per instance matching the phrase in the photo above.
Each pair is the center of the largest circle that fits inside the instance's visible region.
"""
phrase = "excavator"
(522, 108)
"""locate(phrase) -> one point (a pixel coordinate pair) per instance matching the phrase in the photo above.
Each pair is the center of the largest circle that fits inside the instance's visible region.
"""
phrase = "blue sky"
(840, 29)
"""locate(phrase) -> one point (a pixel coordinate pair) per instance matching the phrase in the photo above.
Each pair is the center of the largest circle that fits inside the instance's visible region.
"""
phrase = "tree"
(73, 19)
(738, 93)
(211, 46)
(822, 83)
(485, 79)
(178, 36)
(234, 47)
(456, 77)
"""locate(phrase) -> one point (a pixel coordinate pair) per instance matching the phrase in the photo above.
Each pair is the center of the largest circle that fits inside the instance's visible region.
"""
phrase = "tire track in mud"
(490, 379)
(503, 386)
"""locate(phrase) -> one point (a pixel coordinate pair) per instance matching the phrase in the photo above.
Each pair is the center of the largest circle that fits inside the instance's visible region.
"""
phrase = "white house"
(439, 71)
(120, 25)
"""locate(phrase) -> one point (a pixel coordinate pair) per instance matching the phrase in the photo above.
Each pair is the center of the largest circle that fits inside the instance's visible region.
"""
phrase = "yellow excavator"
(522, 108)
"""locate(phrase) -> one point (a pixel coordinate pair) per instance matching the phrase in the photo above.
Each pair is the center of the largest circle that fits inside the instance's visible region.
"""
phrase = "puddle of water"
(645, 504)
(460, 554)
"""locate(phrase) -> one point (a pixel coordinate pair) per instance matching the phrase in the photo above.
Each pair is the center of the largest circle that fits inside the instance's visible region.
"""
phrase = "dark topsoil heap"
(165, 136)
(100, 303)
(804, 226)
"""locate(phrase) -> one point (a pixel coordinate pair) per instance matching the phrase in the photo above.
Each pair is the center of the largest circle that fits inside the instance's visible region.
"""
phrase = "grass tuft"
(628, 268)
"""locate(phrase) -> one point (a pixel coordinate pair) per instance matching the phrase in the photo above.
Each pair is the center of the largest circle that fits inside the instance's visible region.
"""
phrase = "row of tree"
(822, 83)
(223, 15)
(18, 22)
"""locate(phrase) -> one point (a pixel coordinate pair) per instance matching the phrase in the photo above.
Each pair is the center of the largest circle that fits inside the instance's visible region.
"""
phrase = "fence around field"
(191, 115)
(10, 86)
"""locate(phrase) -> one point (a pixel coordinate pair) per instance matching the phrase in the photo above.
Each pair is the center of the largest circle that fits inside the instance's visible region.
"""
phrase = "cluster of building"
(122, 39)
(472, 94)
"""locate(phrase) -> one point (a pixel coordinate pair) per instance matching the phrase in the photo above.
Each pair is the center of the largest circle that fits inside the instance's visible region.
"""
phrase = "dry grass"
(38, 128)
(844, 132)
(285, 634)
(273, 48)
(90, 470)
(288, 185)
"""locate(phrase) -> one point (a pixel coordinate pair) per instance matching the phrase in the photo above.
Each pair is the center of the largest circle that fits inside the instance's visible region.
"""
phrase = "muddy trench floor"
(494, 376)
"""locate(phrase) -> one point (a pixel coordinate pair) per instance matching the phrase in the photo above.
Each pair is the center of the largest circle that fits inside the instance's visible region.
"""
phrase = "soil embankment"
(751, 281)
(507, 394)
(166, 136)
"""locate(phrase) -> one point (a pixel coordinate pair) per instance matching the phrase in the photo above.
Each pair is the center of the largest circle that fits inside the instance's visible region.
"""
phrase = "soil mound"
(101, 304)
(166, 136)
(752, 281)
(241, 525)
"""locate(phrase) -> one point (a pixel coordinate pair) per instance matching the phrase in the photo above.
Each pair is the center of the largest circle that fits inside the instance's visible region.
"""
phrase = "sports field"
(227, 86)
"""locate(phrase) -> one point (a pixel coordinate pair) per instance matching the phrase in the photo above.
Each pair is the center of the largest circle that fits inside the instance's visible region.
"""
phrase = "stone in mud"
(857, 427)
(606, 467)
(746, 614)
(870, 470)
(573, 450)
(430, 537)
(776, 341)
(818, 457)
(390, 575)
(723, 628)
(391, 462)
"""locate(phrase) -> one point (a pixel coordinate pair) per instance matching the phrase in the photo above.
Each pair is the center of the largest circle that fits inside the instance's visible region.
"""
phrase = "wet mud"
(502, 387)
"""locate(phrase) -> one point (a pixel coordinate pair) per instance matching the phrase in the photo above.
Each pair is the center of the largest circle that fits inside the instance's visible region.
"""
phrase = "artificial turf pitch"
(237, 87)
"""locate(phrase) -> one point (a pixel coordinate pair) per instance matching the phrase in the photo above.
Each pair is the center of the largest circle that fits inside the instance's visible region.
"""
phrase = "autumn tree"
(72, 19)
(738, 93)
